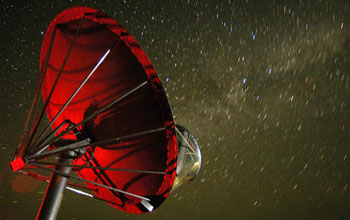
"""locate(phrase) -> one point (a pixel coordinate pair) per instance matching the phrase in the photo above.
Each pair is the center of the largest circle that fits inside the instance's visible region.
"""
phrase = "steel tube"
(54, 192)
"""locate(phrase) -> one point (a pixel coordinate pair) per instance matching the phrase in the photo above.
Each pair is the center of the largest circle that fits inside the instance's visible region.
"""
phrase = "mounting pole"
(54, 192)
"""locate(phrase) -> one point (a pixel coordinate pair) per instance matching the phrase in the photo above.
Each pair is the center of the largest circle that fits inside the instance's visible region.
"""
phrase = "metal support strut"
(54, 192)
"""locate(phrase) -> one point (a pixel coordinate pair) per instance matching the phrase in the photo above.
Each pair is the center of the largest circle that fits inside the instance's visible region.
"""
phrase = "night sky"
(263, 85)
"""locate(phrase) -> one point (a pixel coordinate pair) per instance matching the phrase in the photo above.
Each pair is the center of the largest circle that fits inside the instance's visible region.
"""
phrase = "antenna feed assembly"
(189, 157)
